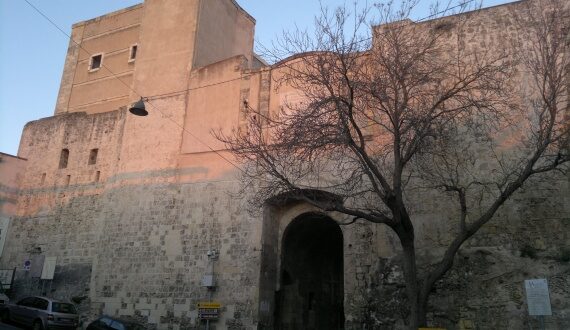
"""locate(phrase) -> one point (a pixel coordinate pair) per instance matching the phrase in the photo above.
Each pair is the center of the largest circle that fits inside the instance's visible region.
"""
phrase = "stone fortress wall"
(134, 230)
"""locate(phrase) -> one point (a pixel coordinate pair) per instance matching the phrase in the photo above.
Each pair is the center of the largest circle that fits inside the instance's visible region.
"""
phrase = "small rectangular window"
(93, 156)
(133, 53)
(68, 180)
(63, 158)
(95, 62)
(43, 178)
(97, 176)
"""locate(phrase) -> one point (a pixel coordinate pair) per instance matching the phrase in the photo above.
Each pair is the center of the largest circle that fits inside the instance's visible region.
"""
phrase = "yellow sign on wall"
(209, 304)
(209, 310)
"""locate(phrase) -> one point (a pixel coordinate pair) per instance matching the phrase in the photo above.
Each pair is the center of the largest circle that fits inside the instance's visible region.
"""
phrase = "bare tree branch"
(375, 118)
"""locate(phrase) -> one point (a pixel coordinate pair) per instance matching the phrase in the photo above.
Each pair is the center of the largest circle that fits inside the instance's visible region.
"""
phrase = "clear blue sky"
(32, 51)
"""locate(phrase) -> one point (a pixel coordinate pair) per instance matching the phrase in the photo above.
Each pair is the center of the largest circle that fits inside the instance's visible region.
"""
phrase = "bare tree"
(412, 108)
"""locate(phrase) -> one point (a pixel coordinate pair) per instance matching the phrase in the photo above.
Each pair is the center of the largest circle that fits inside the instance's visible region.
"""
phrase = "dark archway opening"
(311, 293)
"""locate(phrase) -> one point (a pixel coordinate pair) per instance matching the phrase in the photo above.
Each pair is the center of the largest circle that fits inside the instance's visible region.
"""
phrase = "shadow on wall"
(70, 283)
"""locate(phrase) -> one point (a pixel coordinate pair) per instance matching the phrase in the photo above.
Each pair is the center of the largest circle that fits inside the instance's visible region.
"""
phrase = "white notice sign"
(537, 297)
(49, 268)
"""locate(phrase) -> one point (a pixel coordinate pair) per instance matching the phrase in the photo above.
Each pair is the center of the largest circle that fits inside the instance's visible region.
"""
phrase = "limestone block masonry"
(138, 210)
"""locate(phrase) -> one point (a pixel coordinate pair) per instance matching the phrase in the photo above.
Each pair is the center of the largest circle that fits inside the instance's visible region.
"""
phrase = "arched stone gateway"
(310, 294)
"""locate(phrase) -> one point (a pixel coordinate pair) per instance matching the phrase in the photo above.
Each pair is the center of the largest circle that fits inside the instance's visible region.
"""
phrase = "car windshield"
(63, 308)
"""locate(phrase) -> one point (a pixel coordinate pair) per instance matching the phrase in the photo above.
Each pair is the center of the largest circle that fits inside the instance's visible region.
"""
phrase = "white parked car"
(41, 313)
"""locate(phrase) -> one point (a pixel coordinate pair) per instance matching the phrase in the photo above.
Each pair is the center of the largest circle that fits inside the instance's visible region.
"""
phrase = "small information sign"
(537, 297)
(209, 310)
(49, 268)
(6, 277)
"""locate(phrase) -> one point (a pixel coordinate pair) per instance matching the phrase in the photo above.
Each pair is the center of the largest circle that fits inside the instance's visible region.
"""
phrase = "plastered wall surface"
(89, 90)
(12, 170)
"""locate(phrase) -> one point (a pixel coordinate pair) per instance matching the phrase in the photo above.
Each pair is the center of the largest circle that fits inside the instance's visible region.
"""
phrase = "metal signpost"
(538, 299)
(209, 311)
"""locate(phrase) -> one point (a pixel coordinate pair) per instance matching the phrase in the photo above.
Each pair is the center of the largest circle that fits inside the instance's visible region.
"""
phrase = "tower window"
(95, 62)
(93, 156)
(133, 53)
(63, 158)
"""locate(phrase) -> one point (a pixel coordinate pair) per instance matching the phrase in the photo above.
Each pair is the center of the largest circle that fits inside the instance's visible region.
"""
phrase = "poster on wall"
(49, 268)
(537, 297)
(6, 277)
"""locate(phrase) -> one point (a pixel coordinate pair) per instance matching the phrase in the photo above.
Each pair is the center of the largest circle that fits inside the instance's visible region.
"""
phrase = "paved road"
(4, 326)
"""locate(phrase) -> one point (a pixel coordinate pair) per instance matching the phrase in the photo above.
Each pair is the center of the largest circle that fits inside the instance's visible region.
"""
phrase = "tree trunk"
(417, 312)
(422, 309)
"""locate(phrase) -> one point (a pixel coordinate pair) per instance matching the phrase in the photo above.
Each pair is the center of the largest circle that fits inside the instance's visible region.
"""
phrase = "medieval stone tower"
(139, 215)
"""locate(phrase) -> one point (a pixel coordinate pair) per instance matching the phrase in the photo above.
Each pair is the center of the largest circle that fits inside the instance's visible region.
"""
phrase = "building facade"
(141, 213)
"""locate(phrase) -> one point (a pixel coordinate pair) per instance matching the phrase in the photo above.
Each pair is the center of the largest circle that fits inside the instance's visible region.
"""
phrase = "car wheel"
(38, 325)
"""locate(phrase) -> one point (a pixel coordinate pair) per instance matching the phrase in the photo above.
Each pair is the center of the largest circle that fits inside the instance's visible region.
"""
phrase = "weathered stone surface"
(135, 233)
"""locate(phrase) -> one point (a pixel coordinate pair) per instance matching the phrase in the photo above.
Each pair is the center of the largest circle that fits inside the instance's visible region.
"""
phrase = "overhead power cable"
(147, 98)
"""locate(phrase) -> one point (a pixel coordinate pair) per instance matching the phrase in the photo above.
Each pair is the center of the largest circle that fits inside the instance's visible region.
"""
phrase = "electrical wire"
(243, 76)
(148, 98)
